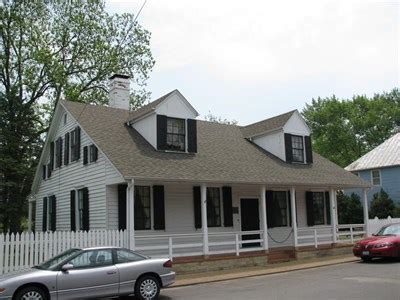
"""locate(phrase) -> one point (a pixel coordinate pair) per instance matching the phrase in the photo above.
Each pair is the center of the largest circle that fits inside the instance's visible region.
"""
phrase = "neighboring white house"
(159, 172)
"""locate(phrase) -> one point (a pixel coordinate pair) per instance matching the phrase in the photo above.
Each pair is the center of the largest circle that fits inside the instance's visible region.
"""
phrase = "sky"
(250, 60)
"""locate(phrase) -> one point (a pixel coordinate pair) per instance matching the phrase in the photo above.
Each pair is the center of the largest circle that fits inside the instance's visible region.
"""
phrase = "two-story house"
(159, 172)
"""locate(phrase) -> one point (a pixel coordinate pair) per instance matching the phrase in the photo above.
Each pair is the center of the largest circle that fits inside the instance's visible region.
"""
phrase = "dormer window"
(297, 148)
(176, 134)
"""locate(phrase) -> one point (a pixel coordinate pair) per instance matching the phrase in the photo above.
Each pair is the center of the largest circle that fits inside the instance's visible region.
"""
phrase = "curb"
(277, 270)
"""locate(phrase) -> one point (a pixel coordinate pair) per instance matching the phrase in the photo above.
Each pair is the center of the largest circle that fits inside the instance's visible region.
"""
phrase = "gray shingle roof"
(266, 125)
(224, 155)
(386, 154)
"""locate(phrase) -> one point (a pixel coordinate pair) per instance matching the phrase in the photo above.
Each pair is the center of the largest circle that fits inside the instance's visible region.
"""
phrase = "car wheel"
(31, 293)
(366, 259)
(147, 287)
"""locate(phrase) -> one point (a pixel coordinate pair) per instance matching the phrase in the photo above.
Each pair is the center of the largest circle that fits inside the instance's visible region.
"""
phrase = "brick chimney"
(119, 91)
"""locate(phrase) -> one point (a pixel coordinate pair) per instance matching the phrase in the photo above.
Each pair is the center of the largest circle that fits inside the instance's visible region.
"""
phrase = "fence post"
(351, 234)
(237, 244)
(1, 252)
(315, 238)
(170, 247)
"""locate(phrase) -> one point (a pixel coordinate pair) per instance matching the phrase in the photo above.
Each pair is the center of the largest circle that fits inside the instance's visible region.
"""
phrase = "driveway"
(376, 280)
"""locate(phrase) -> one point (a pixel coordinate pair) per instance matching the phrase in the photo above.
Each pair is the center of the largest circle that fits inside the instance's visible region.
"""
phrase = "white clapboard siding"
(75, 175)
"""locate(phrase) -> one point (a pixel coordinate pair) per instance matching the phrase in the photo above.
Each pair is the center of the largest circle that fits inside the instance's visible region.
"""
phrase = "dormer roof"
(267, 125)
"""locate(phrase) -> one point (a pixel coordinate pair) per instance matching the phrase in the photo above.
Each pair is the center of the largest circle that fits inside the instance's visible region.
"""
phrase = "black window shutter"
(197, 206)
(78, 142)
(159, 207)
(309, 154)
(85, 155)
(227, 203)
(44, 217)
(122, 206)
(269, 198)
(59, 152)
(161, 132)
(52, 155)
(53, 217)
(290, 208)
(288, 147)
(95, 153)
(85, 207)
(192, 135)
(48, 170)
(43, 171)
(72, 212)
(310, 208)
(66, 149)
(327, 209)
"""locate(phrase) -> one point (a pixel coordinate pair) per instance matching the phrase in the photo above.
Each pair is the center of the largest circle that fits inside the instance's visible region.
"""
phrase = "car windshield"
(51, 263)
(389, 230)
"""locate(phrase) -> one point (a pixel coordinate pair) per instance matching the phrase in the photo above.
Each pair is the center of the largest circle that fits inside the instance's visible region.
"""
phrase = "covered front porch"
(203, 220)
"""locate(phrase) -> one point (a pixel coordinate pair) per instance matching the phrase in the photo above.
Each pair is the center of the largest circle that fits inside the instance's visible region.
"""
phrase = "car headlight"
(357, 246)
(382, 245)
(2, 290)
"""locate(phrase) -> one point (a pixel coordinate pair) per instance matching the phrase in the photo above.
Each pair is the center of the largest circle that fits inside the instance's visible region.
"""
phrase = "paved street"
(376, 280)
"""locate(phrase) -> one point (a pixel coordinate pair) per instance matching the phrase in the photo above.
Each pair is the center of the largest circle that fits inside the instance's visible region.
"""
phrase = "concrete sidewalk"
(205, 277)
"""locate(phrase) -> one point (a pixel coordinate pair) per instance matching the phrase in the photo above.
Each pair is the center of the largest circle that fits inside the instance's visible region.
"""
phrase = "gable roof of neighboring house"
(267, 125)
(386, 154)
(224, 154)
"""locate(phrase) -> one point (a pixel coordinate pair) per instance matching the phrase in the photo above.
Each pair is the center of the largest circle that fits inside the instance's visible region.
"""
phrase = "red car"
(385, 243)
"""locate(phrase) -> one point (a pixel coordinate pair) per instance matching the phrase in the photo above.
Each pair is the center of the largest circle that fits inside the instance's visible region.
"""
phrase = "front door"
(250, 219)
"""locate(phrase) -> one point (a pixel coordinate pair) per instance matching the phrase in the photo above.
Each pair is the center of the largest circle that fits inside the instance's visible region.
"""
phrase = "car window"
(92, 259)
(390, 230)
(51, 263)
(124, 256)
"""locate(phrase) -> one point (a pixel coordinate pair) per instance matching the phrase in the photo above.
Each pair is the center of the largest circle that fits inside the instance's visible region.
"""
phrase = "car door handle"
(111, 272)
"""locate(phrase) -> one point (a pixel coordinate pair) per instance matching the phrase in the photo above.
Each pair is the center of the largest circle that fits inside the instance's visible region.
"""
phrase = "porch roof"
(224, 154)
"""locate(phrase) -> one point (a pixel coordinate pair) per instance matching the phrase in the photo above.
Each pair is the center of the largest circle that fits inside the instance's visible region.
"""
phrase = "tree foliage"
(51, 50)
(382, 206)
(350, 210)
(345, 129)
(217, 119)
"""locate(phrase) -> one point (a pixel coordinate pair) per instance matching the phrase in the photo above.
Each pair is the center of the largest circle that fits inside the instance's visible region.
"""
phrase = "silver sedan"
(90, 273)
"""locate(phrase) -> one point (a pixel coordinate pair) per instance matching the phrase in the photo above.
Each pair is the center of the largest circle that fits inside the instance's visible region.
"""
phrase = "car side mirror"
(67, 267)
(374, 234)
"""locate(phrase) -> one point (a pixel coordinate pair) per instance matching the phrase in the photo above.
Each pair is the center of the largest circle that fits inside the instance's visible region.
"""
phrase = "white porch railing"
(178, 245)
(322, 235)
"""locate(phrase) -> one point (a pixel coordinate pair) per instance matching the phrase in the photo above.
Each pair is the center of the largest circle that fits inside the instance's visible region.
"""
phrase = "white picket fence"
(374, 225)
(20, 251)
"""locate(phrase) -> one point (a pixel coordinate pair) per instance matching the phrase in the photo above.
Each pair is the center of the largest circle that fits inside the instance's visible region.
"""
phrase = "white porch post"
(264, 217)
(365, 206)
(293, 213)
(333, 209)
(130, 214)
(30, 216)
(204, 227)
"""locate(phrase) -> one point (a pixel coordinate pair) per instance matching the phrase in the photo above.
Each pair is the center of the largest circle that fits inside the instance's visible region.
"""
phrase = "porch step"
(278, 256)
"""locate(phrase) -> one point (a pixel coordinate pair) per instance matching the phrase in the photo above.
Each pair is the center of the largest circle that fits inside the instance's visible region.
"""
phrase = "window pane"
(376, 177)
(92, 259)
(213, 207)
(297, 148)
(176, 134)
(319, 208)
(124, 256)
(280, 208)
(142, 207)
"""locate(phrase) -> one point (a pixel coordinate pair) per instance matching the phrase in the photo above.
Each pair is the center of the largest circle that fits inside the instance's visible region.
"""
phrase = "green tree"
(345, 129)
(381, 206)
(216, 119)
(350, 210)
(52, 50)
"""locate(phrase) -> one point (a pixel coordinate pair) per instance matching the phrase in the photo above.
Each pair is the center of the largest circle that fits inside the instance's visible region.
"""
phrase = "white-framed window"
(376, 177)
(214, 207)
(176, 134)
(80, 209)
(65, 119)
(298, 148)
(280, 206)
